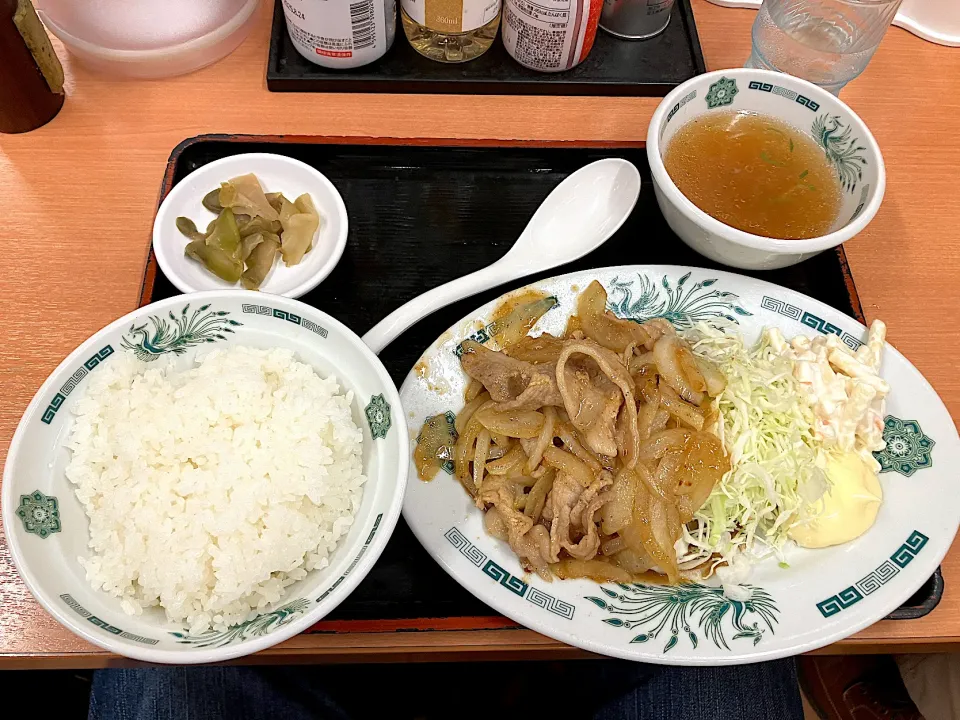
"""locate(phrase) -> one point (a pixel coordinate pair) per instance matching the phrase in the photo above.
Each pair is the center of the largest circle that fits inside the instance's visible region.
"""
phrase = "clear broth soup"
(755, 173)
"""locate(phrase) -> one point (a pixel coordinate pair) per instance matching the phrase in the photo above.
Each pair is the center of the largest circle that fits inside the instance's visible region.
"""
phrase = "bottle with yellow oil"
(451, 31)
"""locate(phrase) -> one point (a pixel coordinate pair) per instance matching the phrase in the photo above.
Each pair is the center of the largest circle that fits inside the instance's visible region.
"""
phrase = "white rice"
(210, 490)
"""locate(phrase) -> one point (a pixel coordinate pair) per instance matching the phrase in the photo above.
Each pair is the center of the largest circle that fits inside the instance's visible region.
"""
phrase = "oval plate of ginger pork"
(790, 603)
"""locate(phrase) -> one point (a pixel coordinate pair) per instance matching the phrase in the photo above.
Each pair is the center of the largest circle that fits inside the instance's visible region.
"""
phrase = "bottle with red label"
(550, 35)
(341, 33)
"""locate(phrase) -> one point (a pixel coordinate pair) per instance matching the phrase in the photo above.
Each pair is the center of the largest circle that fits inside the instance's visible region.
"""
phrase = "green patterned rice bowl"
(45, 523)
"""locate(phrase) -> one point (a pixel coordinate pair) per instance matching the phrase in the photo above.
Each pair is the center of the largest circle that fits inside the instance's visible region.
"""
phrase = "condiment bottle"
(31, 77)
(451, 31)
(550, 35)
(340, 33)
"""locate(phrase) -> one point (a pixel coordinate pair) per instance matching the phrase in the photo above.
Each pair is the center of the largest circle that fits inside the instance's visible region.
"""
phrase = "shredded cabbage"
(766, 427)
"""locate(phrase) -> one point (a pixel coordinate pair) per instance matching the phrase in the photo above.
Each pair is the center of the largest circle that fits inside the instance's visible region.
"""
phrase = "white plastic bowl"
(277, 173)
(148, 38)
(841, 132)
(47, 529)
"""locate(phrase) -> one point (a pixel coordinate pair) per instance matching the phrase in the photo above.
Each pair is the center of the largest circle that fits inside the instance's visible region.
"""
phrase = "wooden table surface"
(87, 184)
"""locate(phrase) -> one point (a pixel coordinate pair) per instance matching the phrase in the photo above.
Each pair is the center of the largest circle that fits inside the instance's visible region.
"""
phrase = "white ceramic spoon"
(579, 215)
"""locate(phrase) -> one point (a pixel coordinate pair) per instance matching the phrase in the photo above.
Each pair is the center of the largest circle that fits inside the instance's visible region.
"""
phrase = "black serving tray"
(614, 67)
(423, 214)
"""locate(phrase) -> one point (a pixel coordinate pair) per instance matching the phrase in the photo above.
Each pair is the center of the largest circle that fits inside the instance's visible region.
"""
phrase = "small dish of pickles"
(256, 221)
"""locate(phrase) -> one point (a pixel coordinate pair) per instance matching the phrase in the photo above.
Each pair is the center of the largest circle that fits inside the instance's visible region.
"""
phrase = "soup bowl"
(845, 139)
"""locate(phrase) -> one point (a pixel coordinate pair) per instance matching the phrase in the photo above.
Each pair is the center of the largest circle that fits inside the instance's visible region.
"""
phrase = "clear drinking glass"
(828, 42)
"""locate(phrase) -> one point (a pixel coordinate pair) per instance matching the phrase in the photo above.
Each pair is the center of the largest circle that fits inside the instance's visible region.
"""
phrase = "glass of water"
(828, 42)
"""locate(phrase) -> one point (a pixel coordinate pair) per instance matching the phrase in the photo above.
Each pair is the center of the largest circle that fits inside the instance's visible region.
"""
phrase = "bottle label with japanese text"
(451, 16)
(550, 35)
(341, 33)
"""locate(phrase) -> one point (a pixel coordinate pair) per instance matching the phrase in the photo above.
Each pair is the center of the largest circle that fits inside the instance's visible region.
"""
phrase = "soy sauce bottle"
(31, 77)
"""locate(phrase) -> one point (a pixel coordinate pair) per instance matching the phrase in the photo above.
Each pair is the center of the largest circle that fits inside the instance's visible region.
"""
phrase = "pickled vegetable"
(249, 244)
(260, 225)
(260, 261)
(243, 194)
(211, 201)
(286, 211)
(226, 235)
(275, 200)
(222, 264)
(297, 238)
(251, 228)
(298, 229)
(186, 226)
(304, 204)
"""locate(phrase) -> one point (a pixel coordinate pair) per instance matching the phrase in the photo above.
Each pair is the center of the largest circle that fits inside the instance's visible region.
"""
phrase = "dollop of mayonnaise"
(848, 508)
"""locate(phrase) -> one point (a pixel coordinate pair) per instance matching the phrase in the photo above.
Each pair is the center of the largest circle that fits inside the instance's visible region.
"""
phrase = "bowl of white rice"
(205, 477)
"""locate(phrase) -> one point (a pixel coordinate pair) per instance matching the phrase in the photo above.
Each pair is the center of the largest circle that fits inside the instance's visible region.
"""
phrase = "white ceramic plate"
(277, 173)
(46, 526)
(824, 596)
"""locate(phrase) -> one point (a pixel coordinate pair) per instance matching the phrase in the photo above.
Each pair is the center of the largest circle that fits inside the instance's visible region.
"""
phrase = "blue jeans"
(594, 689)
